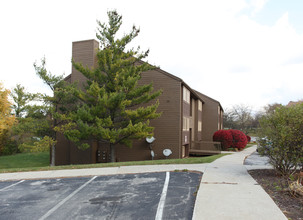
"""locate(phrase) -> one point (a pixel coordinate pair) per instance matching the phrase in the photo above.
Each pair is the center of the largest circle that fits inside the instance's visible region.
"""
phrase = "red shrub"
(248, 138)
(230, 138)
(225, 137)
(239, 139)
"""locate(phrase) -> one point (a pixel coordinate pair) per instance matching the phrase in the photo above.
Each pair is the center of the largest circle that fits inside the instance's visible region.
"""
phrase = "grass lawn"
(40, 161)
(24, 160)
(250, 145)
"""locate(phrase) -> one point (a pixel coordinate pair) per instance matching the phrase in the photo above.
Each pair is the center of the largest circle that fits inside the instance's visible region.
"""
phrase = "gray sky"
(237, 51)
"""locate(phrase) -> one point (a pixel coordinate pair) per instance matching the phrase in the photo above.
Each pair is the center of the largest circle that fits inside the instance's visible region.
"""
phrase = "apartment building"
(184, 124)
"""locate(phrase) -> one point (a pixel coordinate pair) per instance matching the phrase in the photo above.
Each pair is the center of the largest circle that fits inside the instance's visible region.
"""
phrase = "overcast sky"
(237, 51)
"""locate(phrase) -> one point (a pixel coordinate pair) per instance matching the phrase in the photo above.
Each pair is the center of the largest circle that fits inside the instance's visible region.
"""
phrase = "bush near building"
(239, 139)
(231, 139)
(248, 138)
(225, 137)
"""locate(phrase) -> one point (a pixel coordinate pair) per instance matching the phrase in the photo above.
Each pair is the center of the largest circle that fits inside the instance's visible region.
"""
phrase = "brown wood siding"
(199, 136)
(167, 128)
(67, 153)
(209, 118)
(83, 52)
(139, 151)
(62, 156)
(185, 113)
(78, 156)
(186, 109)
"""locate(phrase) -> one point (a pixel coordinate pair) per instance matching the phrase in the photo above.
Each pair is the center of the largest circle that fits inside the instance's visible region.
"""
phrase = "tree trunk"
(53, 155)
(112, 153)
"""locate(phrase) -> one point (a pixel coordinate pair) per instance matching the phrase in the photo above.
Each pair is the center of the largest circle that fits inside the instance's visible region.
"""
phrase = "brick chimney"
(83, 52)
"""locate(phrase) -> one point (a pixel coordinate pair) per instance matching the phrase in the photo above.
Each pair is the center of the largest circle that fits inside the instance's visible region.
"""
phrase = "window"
(199, 105)
(186, 95)
(185, 124)
(199, 125)
(219, 118)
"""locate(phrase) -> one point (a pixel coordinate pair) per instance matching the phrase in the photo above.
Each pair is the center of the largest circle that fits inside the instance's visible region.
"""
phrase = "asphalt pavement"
(256, 159)
(226, 191)
(125, 196)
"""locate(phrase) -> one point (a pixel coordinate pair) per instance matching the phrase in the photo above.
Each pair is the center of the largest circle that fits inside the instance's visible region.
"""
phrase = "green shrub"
(10, 147)
(281, 138)
(42, 145)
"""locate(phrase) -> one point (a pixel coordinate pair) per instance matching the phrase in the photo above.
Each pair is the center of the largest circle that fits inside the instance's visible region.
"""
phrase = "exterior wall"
(167, 128)
(192, 119)
(199, 121)
(194, 134)
(187, 122)
(221, 119)
(66, 152)
(62, 156)
(210, 115)
(69, 153)
(84, 52)
(212, 120)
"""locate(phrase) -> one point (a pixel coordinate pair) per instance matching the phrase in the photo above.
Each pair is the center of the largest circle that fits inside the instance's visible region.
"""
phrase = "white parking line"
(162, 199)
(51, 211)
(5, 188)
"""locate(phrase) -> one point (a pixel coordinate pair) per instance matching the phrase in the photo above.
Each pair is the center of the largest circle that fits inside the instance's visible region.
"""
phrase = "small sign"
(185, 138)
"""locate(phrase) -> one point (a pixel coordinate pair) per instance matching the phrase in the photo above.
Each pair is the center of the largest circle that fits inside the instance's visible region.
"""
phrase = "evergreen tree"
(21, 100)
(59, 102)
(33, 121)
(113, 108)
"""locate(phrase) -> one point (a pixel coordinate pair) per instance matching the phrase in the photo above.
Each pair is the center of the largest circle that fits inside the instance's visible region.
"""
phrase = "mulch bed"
(277, 188)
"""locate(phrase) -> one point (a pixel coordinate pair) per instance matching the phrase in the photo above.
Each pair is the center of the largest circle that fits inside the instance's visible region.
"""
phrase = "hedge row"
(231, 138)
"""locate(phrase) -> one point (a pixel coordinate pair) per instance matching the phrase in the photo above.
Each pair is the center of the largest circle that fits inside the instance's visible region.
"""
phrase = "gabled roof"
(68, 77)
(205, 96)
(177, 79)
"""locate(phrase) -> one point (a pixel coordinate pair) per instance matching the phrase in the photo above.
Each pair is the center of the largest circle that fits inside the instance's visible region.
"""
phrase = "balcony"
(205, 148)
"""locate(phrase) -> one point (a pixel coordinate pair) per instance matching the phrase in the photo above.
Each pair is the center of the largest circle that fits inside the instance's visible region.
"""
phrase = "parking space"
(7, 185)
(129, 196)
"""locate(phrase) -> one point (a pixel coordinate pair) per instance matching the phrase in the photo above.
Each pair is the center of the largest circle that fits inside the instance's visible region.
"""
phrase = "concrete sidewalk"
(226, 191)
(100, 171)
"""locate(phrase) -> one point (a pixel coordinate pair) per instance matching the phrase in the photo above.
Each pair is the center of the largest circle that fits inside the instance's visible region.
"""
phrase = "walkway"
(227, 191)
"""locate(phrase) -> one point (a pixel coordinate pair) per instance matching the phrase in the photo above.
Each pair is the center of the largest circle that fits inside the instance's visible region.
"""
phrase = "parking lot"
(163, 195)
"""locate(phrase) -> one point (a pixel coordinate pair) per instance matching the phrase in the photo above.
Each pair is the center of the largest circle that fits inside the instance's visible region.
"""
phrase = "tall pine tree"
(113, 108)
(59, 103)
